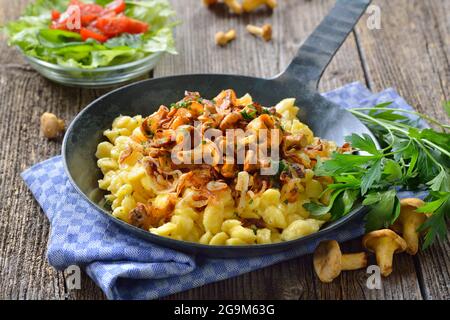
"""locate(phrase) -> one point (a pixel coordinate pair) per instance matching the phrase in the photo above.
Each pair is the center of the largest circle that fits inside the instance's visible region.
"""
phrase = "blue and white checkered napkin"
(126, 267)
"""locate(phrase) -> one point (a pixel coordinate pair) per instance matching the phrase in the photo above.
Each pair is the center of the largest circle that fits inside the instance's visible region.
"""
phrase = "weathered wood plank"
(24, 229)
(411, 53)
(10, 10)
(433, 267)
(24, 96)
(24, 271)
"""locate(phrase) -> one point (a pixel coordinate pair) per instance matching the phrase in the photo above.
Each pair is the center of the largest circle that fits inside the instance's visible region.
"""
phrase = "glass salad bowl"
(115, 41)
(95, 78)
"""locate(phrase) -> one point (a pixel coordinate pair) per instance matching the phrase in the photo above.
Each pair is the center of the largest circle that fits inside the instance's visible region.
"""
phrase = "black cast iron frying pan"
(300, 81)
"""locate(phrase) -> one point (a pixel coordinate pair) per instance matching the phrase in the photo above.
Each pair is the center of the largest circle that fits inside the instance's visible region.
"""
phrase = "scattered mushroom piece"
(385, 243)
(250, 5)
(409, 221)
(51, 125)
(329, 261)
(210, 2)
(223, 38)
(264, 32)
(234, 6)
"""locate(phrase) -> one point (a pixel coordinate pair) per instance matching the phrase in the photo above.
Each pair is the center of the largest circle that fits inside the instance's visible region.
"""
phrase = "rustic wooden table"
(410, 53)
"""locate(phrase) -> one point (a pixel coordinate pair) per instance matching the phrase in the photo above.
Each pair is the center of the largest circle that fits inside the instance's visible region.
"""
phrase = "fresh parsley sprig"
(410, 158)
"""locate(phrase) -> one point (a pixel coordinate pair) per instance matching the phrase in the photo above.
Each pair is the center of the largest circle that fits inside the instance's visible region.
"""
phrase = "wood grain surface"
(409, 53)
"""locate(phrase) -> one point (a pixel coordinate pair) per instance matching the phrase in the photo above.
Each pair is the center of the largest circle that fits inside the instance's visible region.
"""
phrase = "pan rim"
(172, 243)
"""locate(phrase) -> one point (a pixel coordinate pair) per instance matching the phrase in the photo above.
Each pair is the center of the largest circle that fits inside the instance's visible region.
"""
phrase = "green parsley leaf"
(341, 163)
(384, 209)
(364, 143)
(392, 170)
(372, 175)
(382, 105)
(441, 182)
(344, 203)
(436, 226)
(318, 210)
(246, 116)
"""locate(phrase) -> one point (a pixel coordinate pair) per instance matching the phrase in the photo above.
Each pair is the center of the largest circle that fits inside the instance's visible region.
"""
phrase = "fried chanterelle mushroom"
(408, 223)
(329, 260)
(385, 243)
(51, 125)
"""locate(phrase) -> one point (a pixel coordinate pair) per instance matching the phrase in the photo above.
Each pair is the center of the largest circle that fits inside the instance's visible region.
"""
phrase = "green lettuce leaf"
(31, 33)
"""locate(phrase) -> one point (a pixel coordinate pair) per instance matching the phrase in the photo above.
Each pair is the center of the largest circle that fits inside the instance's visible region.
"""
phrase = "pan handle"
(318, 50)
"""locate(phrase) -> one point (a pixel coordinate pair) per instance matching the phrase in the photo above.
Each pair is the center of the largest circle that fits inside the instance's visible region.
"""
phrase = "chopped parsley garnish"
(181, 104)
(249, 112)
(282, 166)
(265, 110)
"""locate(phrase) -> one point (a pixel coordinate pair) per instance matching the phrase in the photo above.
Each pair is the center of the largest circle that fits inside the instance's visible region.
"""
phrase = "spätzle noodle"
(213, 203)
